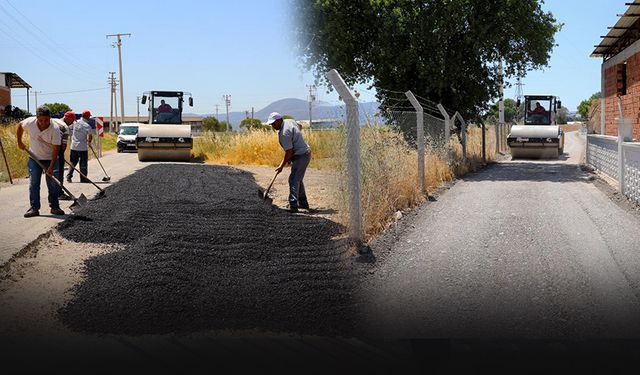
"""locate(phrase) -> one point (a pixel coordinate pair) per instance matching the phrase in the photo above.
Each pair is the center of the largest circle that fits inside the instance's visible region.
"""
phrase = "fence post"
(420, 138)
(463, 136)
(353, 158)
(447, 126)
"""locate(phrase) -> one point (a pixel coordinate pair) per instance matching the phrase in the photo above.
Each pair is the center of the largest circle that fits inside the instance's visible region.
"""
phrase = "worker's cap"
(86, 113)
(70, 115)
(273, 117)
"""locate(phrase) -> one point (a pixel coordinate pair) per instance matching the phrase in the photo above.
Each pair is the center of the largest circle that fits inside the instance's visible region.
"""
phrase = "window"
(621, 79)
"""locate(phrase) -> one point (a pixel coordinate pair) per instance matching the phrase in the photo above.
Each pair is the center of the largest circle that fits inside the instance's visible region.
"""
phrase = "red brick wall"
(630, 102)
(5, 97)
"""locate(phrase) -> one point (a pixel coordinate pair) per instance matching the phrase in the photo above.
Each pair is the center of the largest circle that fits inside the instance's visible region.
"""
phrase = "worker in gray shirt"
(298, 152)
(81, 137)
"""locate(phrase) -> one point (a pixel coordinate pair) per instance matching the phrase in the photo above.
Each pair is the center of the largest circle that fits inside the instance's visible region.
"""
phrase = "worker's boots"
(32, 212)
(57, 211)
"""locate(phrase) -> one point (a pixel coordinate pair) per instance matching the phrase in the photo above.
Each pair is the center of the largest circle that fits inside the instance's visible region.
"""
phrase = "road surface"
(522, 249)
(16, 232)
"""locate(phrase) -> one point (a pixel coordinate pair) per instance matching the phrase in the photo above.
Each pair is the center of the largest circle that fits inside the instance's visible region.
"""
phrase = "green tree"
(251, 123)
(562, 116)
(445, 51)
(509, 111)
(57, 108)
(224, 126)
(285, 117)
(584, 108)
(213, 125)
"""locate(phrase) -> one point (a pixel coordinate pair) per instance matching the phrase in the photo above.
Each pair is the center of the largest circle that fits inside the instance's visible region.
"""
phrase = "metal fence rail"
(602, 153)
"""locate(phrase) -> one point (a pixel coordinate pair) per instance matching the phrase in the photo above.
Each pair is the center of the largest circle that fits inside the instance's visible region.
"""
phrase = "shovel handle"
(82, 174)
(98, 159)
(271, 184)
(33, 157)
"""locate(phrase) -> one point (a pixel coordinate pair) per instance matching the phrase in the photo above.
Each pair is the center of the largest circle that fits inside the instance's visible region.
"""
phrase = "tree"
(445, 51)
(249, 123)
(57, 108)
(562, 116)
(584, 108)
(285, 117)
(224, 126)
(509, 111)
(212, 124)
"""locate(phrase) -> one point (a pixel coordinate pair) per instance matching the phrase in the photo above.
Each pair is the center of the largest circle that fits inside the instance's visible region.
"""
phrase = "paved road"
(16, 231)
(523, 249)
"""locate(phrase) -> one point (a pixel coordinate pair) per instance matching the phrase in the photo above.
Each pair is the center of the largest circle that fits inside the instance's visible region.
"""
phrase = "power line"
(63, 92)
(43, 42)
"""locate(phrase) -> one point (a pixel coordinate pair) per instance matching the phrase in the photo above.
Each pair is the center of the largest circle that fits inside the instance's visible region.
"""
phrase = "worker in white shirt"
(44, 143)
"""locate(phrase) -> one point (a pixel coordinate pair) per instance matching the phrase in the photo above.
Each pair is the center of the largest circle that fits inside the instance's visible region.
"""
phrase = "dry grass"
(390, 173)
(18, 159)
(260, 147)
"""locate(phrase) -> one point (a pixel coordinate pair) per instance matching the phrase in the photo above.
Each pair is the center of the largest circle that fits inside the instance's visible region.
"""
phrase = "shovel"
(78, 203)
(101, 193)
(106, 177)
(265, 195)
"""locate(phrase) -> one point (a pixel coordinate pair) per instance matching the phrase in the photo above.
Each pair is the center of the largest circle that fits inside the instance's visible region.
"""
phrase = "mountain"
(299, 109)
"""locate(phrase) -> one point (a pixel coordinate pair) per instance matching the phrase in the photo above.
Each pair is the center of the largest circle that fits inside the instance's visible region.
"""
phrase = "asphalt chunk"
(203, 252)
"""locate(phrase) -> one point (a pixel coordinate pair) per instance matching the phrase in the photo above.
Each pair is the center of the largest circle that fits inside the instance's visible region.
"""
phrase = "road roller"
(539, 136)
(165, 137)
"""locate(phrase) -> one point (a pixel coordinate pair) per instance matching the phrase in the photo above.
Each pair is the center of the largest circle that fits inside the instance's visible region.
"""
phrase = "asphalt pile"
(203, 252)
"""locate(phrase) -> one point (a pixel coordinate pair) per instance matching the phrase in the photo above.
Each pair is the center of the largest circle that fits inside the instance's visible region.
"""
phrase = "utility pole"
(35, 93)
(217, 118)
(227, 103)
(138, 105)
(312, 98)
(251, 116)
(519, 96)
(119, 45)
(500, 127)
(112, 94)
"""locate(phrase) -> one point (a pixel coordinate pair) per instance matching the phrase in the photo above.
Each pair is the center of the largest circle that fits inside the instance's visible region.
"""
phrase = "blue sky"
(212, 48)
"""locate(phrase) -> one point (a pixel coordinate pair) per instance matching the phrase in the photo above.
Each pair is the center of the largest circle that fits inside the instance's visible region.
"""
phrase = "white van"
(127, 136)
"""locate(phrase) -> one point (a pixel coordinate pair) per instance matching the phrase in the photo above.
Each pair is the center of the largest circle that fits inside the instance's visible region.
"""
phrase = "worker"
(296, 151)
(44, 143)
(64, 125)
(81, 137)
(539, 109)
(164, 107)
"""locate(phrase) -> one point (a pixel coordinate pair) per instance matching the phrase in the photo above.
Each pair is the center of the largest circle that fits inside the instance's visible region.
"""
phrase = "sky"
(241, 48)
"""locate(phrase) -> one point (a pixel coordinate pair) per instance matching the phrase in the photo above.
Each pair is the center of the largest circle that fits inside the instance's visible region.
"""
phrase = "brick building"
(620, 51)
(10, 81)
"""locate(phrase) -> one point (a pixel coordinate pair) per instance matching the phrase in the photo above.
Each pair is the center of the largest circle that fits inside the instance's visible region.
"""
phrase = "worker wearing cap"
(81, 137)
(296, 151)
(64, 125)
(44, 143)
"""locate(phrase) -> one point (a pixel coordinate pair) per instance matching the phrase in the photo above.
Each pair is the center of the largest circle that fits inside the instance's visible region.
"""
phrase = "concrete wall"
(630, 101)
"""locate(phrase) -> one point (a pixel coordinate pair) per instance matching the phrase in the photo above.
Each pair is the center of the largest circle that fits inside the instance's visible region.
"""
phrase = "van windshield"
(128, 130)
